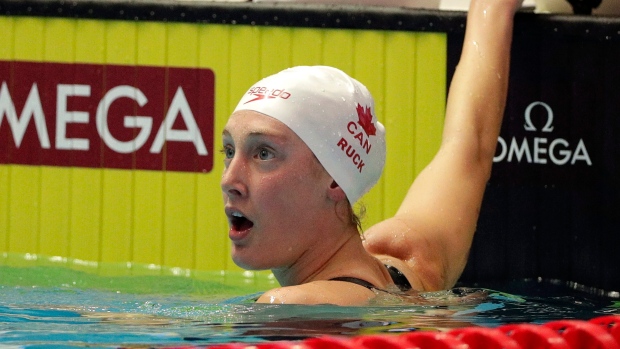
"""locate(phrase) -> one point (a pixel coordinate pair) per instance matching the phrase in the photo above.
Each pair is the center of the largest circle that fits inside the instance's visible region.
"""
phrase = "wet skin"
(274, 192)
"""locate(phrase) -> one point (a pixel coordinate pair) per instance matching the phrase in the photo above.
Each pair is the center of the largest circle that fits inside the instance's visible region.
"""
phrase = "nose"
(234, 178)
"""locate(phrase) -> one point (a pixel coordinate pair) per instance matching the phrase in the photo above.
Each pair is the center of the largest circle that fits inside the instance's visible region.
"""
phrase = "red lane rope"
(611, 323)
(533, 336)
(488, 338)
(582, 334)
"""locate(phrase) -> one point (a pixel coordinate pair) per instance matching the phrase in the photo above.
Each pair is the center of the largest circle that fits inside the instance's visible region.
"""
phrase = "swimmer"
(304, 145)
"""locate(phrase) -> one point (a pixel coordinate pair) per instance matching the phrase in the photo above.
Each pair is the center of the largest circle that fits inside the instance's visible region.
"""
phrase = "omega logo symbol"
(528, 117)
(541, 150)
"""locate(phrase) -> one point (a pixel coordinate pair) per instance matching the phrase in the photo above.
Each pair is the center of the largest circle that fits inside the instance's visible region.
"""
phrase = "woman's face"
(274, 191)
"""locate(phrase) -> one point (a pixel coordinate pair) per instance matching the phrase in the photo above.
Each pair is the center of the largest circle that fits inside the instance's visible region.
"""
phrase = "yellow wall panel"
(214, 53)
(5, 200)
(177, 219)
(214, 49)
(212, 246)
(24, 209)
(6, 53)
(7, 38)
(431, 60)
(244, 53)
(399, 104)
(55, 205)
(275, 54)
(148, 192)
(182, 47)
(116, 215)
(58, 46)
(118, 185)
(121, 42)
(28, 40)
(152, 40)
(86, 214)
(25, 186)
(90, 41)
(307, 47)
(180, 188)
(148, 217)
(338, 46)
(59, 40)
(86, 184)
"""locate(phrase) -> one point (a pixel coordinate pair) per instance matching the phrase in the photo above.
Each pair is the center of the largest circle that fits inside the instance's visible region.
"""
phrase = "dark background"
(554, 221)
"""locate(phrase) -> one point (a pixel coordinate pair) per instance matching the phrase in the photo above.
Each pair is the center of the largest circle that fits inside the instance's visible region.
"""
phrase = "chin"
(247, 262)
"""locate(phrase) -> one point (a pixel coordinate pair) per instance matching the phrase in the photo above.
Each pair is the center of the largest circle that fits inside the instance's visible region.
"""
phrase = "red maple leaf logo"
(365, 120)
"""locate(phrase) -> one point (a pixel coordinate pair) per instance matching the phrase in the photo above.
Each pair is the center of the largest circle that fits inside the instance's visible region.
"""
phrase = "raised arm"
(430, 236)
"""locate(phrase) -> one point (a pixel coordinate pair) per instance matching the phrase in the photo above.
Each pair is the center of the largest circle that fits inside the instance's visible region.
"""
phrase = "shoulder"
(318, 292)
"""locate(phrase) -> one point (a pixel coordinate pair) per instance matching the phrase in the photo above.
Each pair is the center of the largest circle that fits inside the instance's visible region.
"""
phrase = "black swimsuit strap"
(397, 276)
(356, 281)
(400, 280)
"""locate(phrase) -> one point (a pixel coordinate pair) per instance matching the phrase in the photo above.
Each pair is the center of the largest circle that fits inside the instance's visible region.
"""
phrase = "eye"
(228, 152)
(265, 154)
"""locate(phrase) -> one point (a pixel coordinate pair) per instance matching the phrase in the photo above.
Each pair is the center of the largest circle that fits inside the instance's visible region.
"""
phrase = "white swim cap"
(333, 114)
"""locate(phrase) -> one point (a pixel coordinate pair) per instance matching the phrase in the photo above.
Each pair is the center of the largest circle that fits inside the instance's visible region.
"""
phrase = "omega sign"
(86, 115)
(541, 150)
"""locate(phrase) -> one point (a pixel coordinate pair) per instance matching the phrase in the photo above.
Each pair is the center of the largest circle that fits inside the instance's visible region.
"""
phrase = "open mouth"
(239, 222)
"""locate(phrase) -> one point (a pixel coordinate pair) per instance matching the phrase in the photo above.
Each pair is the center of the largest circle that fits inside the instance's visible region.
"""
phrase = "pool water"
(59, 307)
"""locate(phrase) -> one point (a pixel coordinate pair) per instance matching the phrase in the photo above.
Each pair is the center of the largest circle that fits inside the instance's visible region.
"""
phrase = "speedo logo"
(261, 93)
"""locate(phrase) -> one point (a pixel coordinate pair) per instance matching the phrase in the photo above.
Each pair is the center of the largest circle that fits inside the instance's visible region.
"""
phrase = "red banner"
(111, 116)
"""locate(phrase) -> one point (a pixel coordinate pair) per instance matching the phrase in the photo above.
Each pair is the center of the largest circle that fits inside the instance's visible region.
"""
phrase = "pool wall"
(79, 180)
(94, 200)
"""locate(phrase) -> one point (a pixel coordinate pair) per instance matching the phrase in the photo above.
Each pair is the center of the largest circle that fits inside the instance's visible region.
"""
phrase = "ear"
(335, 192)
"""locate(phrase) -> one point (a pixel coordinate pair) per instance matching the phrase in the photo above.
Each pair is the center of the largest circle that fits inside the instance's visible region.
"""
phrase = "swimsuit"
(397, 277)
